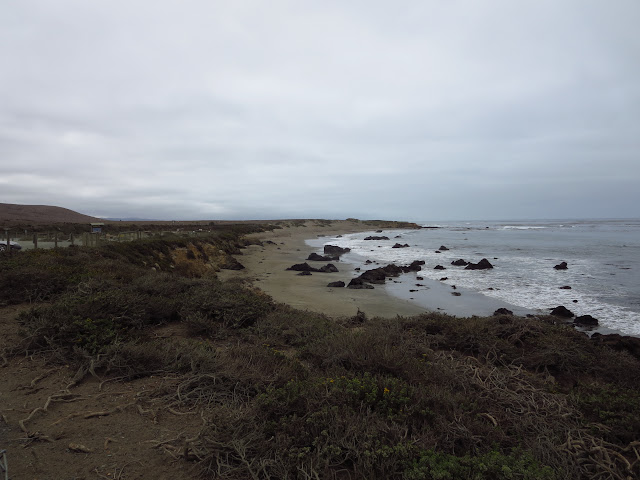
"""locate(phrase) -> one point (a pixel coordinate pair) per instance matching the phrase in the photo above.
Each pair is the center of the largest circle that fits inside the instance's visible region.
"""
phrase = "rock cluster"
(376, 237)
(483, 264)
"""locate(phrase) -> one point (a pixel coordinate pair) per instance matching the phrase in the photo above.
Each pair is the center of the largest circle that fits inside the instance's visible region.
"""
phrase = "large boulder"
(483, 264)
(561, 311)
(502, 311)
(322, 258)
(358, 283)
(302, 267)
(585, 321)
(561, 266)
(377, 276)
(439, 267)
(414, 266)
(377, 237)
(443, 248)
(336, 284)
(335, 250)
(328, 268)
(460, 263)
(399, 245)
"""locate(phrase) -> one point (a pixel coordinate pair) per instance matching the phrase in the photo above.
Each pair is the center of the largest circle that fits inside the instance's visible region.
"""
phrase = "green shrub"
(431, 465)
(214, 304)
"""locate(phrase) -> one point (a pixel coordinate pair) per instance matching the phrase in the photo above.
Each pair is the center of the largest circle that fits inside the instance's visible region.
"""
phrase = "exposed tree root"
(61, 397)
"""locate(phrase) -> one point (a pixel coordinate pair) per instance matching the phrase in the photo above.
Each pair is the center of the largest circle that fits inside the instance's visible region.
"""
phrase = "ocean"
(603, 258)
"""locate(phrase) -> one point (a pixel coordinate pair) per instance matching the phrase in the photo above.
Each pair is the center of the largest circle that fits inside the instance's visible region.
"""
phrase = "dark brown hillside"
(11, 214)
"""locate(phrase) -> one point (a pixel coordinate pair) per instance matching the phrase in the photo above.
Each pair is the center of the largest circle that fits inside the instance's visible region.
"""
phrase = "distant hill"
(12, 214)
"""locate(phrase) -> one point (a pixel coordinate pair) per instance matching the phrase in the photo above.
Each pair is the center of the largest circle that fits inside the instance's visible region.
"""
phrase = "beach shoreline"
(266, 268)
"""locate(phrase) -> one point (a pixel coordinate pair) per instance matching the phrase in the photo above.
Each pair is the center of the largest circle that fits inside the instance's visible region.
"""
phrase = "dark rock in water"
(502, 311)
(444, 278)
(561, 266)
(419, 285)
(438, 251)
(413, 291)
(454, 287)
(398, 236)
(414, 266)
(302, 267)
(336, 284)
(368, 262)
(304, 272)
(328, 268)
(575, 301)
(483, 264)
(376, 237)
(586, 320)
(231, 263)
(566, 287)
(357, 269)
(398, 245)
(439, 267)
(358, 283)
(334, 249)
(419, 278)
(380, 274)
(443, 248)
(456, 294)
(460, 263)
(378, 231)
(619, 343)
(561, 311)
(322, 258)
(338, 236)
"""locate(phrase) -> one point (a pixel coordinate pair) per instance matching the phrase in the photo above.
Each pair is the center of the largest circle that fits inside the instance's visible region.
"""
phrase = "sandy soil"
(88, 431)
(266, 268)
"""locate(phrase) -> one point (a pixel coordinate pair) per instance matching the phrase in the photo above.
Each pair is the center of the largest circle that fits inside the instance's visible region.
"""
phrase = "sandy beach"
(265, 267)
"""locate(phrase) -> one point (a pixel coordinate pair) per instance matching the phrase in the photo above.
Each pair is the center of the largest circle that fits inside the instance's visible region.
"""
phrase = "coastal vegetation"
(286, 393)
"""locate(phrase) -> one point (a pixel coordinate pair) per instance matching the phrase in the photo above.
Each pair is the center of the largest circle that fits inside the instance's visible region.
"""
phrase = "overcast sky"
(419, 110)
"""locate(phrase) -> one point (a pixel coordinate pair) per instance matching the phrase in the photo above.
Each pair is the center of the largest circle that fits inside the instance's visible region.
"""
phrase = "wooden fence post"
(71, 239)
(35, 241)
(55, 239)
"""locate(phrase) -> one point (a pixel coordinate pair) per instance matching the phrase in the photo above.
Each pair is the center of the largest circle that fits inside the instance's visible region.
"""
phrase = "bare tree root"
(61, 397)
(86, 415)
(599, 459)
(181, 447)
(39, 378)
(105, 413)
(29, 438)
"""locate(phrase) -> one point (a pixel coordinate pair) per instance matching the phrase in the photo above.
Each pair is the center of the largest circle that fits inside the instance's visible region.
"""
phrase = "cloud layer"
(422, 110)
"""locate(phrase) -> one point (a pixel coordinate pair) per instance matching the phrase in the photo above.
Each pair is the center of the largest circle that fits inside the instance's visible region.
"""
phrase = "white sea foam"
(603, 275)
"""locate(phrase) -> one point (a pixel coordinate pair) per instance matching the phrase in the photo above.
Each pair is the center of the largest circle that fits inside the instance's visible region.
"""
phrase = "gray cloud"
(420, 110)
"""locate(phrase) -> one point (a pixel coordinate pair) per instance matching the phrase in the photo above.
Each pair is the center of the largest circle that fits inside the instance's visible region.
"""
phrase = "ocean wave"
(524, 227)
